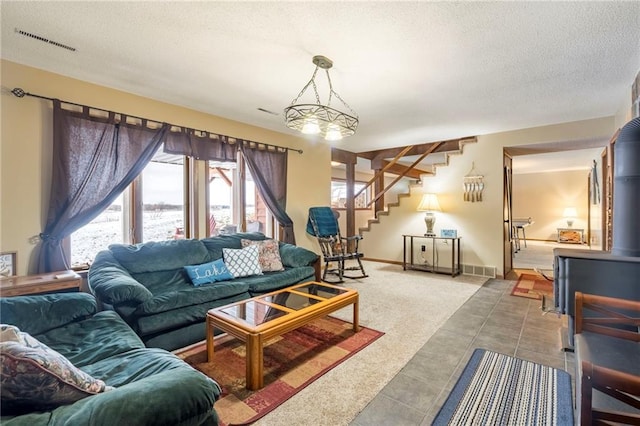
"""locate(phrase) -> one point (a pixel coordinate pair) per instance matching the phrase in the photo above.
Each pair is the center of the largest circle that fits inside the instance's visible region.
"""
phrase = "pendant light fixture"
(313, 119)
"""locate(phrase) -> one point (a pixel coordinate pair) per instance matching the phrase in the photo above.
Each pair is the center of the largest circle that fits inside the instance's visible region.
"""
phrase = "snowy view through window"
(162, 217)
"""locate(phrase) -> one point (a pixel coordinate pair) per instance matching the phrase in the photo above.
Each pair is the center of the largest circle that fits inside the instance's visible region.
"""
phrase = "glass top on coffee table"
(261, 309)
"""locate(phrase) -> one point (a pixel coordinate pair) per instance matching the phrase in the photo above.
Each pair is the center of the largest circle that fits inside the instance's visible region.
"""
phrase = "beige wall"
(479, 224)
(544, 196)
(25, 154)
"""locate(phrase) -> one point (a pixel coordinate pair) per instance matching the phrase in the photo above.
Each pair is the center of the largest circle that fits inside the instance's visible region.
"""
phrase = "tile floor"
(490, 319)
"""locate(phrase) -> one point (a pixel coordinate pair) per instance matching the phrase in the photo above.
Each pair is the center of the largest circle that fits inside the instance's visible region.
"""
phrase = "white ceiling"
(415, 72)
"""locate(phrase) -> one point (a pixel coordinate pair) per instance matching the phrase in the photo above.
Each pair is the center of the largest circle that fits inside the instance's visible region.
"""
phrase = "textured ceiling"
(415, 72)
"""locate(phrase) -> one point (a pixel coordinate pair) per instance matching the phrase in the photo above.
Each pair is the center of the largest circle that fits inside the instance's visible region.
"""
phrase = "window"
(221, 211)
(157, 204)
(339, 195)
(159, 215)
(228, 212)
(256, 213)
(163, 198)
(107, 228)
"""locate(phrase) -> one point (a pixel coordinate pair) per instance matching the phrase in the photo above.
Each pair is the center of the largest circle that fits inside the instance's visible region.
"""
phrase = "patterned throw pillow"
(34, 376)
(242, 262)
(268, 255)
(208, 273)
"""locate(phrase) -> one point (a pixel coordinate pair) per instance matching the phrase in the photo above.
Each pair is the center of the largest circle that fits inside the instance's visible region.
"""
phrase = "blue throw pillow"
(208, 273)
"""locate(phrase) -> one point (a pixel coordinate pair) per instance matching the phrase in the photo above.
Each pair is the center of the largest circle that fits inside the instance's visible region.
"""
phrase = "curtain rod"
(18, 92)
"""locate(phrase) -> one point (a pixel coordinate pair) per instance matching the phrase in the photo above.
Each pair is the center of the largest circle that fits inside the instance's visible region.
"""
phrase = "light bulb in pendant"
(333, 133)
(310, 126)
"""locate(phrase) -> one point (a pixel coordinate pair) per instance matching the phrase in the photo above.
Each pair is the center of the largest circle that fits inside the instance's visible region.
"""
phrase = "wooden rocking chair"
(336, 249)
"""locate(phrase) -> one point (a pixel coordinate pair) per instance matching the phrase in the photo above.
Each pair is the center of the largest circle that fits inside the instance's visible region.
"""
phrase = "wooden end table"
(38, 284)
(256, 320)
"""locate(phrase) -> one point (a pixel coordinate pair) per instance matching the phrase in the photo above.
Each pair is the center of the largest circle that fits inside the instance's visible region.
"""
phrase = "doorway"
(544, 180)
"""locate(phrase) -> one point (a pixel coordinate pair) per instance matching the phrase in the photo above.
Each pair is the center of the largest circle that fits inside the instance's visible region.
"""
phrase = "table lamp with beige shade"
(570, 215)
(430, 205)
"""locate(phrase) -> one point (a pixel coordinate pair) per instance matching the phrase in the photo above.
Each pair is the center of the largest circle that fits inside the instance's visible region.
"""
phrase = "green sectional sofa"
(147, 285)
(150, 386)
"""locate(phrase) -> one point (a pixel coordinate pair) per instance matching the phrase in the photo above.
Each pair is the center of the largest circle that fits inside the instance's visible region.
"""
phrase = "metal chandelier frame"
(330, 123)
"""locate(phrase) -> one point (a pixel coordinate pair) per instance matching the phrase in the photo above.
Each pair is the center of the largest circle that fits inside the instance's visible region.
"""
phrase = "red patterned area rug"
(532, 285)
(291, 362)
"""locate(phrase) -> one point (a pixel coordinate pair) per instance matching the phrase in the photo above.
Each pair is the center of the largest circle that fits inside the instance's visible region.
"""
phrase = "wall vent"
(45, 40)
(267, 111)
(479, 270)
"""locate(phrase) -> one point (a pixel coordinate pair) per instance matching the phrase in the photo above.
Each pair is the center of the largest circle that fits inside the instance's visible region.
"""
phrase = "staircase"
(430, 171)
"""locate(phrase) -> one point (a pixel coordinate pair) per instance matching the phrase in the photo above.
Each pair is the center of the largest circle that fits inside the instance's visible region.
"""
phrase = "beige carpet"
(408, 306)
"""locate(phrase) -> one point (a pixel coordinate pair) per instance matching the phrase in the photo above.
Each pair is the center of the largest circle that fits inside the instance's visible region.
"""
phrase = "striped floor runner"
(497, 389)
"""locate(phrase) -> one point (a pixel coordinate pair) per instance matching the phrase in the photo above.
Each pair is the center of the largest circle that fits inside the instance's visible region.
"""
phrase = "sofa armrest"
(112, 283)
(295, 256)
(612, 316)
(317, 267)
(40, 313)
(165, 398)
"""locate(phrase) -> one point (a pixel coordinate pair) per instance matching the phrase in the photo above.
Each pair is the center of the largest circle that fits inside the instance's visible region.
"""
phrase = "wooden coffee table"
(260, 318)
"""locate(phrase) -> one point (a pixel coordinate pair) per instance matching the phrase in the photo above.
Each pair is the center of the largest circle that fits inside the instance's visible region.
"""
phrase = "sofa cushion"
(163, 281)
(208, 273)
(34, 376)
(159, 256)
(268, 254)
(152, 325)
(272, 281)
(242, 262)
(215, 245)
(189, 295)
(293, 256)
(59, 309)
(103, 335)
(153, 387)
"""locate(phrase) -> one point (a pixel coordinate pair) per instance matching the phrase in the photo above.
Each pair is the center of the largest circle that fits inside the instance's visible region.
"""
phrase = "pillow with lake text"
(208, 273)
(242, 262)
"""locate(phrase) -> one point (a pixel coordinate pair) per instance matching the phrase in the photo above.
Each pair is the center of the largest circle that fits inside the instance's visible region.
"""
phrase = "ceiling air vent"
(267, 111)
(45, 40)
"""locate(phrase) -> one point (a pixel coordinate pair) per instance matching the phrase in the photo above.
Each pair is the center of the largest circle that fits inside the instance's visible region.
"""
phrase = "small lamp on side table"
(570, 215)
(429, 204)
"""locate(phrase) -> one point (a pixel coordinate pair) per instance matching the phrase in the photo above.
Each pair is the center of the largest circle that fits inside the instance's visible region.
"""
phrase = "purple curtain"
(269, 170)
(203, 146)
(94, 160)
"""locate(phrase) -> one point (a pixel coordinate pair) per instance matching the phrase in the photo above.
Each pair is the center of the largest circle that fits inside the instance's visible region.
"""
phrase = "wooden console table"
(51, 282)
(408, 263)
